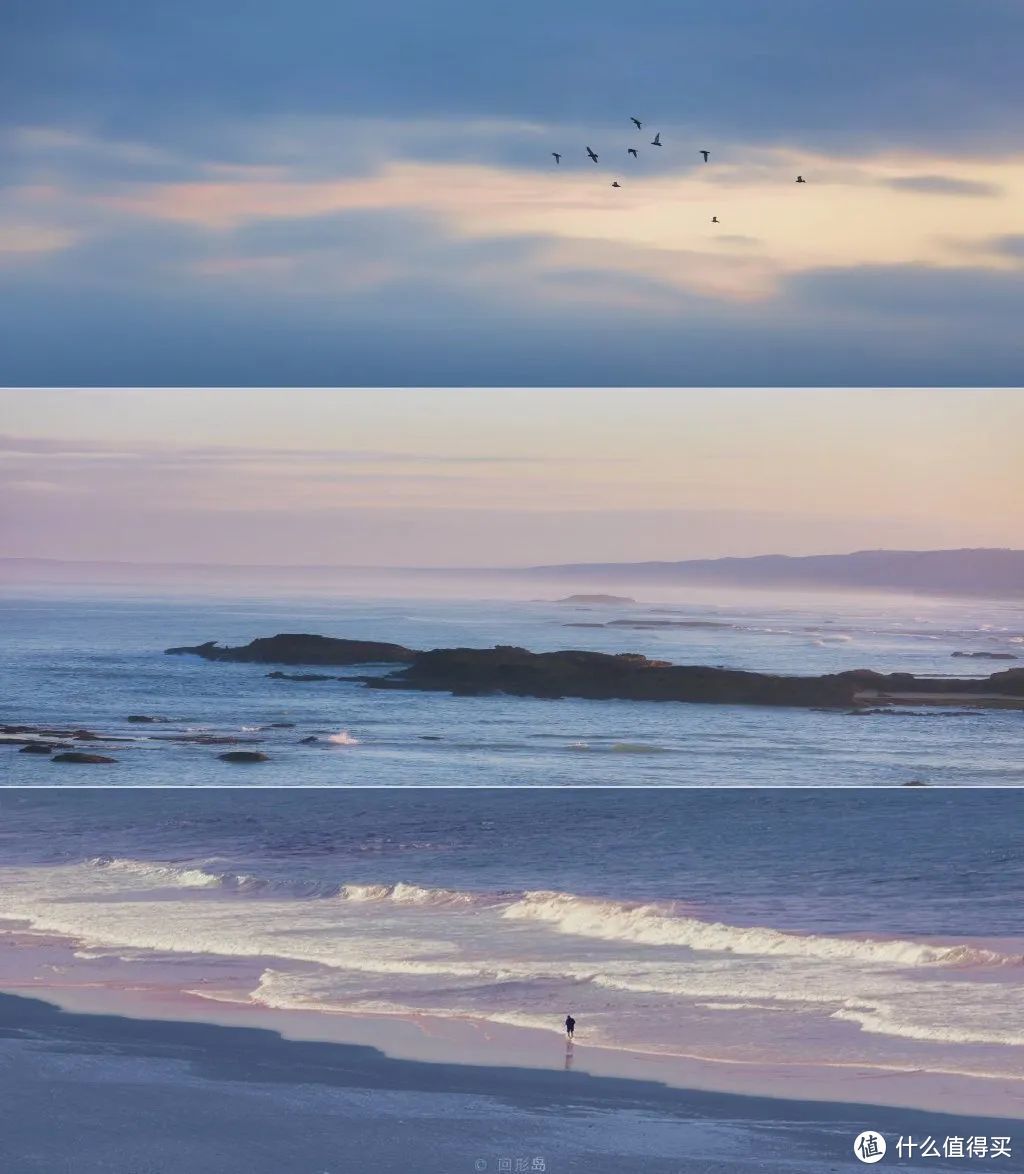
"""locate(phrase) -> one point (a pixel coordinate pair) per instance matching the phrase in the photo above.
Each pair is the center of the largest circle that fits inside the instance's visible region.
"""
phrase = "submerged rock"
(279, 676)
(80, 756)
(38, 748)
(243, 756)
(598, 599)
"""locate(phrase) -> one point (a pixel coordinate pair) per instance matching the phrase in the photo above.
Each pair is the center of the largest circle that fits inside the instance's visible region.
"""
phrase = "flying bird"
(631, 151)
(705, 154)
(715, 220)
(591, 154)
(637, 123)
(800, 179)
(558, 158)
(656, 141)
(616, 184)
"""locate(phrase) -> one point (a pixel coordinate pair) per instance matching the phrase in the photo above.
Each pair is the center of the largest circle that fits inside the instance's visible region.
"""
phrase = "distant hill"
(989, 572)
(993, 573)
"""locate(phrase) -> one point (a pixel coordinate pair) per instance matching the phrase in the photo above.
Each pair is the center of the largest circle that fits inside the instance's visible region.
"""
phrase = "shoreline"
(173, 1067)
(429, 1038)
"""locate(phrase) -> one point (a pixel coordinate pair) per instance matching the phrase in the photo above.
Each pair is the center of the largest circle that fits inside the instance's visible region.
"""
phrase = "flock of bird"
(655, 142)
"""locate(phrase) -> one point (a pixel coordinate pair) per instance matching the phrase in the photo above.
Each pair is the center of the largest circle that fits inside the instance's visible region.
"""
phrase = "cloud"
(658, 225)
(942, 185)
(282, 263)
(68, 447)
(177, 72)
(1011, 245)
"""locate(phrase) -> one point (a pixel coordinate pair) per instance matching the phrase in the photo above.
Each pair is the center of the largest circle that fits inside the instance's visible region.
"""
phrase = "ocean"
(93, 660)
(876, 932)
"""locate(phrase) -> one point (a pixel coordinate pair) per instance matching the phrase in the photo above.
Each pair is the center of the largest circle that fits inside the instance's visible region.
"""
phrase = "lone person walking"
(570, 1026)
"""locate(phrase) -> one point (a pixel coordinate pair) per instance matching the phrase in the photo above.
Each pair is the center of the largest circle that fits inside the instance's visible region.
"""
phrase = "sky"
(321, 194)
(482, 477)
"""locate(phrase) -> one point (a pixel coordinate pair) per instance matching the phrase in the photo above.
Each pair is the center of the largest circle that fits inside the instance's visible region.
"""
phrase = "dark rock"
(476, 672)
(289, 648)
(243, 756)
(915, 783)
(430, 737)
(599, 675)
(38, 748)
(1009, 681)
(280, 726)
(145, 719)
(79, 756)
(310, 740)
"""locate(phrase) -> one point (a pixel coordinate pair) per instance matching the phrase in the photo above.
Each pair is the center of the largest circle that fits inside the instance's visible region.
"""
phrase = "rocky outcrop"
(605, 676)
(986, 655)
(288, 648)
(626, 676)
(244, 756)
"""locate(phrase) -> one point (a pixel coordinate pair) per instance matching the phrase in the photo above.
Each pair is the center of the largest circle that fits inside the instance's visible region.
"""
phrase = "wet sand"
(92, 1092)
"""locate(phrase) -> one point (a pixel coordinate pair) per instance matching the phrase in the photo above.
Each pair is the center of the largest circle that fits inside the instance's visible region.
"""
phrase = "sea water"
(94, 660)
(871, 931)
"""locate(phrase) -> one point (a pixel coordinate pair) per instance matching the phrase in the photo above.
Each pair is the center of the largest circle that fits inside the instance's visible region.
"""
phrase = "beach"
(841, 946)
(164, 1096)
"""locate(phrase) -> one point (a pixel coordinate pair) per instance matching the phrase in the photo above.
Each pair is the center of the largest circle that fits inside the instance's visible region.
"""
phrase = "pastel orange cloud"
(660, 227)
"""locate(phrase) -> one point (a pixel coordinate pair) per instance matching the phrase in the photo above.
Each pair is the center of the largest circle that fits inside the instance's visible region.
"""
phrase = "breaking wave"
(661, 924)
(160, 874)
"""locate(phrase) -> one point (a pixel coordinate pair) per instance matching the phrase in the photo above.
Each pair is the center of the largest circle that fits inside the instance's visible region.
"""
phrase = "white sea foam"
(932, 1024)
(343, 738)
(658, 924)
(404, 894)
(639, 975)
(159, 874)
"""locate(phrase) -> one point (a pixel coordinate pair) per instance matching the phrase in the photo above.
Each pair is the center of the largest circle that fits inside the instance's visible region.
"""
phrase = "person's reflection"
(568, 1055)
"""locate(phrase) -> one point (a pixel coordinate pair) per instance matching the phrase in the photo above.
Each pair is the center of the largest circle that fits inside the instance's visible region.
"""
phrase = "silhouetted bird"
(714, 220)
(591, 154)
(637, 123)
(705, 154)
(631, 151)
(616, 184)
(656, 141)
(558, 158)
(800, 179)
